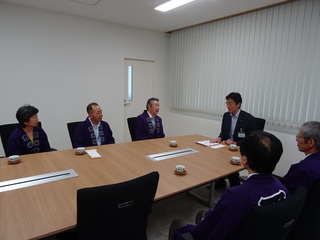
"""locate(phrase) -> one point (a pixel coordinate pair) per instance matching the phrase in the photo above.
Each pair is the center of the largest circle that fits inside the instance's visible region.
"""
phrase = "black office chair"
(273, 221)
(131, 125)
(71, 129)
(118, 211)
(260, 123)
(308, 225)
(5, 132)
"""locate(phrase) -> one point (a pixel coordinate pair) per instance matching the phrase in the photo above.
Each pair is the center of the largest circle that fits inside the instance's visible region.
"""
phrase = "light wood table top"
(46, 209)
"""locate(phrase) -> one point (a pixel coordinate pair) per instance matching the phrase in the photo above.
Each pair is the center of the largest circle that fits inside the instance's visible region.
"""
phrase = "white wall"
(60, 63)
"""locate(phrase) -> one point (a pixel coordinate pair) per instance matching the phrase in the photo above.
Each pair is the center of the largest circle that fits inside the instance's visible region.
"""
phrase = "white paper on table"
(93, 153)
(218, 146)
(206, 143)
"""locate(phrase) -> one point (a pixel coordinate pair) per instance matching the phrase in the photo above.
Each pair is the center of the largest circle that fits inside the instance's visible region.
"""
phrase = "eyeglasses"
(229, 103)
(297, 136)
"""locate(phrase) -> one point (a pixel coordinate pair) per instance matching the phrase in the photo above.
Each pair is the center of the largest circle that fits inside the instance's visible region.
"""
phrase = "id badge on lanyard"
(241, 134)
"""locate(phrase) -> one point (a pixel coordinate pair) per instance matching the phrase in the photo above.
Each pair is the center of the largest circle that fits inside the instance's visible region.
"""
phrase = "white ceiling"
(141, 13)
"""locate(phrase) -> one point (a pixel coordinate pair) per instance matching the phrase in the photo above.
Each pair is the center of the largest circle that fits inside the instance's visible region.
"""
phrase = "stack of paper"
(93, 153)
(218, 146)
(207, 143)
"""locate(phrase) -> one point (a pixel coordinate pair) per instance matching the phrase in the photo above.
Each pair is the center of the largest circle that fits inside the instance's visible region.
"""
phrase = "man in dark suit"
(236, 125)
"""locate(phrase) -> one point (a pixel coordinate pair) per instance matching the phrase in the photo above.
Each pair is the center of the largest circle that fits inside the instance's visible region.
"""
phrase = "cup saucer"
(233, 150)
(80, 153)
(180, 173)
(12, 163)
(238, 163)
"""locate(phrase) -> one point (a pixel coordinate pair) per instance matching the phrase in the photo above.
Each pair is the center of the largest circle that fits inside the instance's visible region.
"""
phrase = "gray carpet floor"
(184, 206)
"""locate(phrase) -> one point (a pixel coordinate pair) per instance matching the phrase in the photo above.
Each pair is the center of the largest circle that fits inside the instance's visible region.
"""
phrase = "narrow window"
(130, 83)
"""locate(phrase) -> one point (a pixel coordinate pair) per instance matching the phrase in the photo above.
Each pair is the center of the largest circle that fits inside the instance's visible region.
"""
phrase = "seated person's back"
(28, 137)
(93, 131)
(260, 152)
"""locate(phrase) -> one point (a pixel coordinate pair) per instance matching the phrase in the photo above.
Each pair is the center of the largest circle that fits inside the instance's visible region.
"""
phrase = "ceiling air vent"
(87, 2)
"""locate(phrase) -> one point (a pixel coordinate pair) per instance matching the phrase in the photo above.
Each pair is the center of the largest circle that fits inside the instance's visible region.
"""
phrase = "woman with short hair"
(28, 137)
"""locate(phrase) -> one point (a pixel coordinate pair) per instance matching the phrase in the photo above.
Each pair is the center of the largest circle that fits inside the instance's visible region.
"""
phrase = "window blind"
(271, 57)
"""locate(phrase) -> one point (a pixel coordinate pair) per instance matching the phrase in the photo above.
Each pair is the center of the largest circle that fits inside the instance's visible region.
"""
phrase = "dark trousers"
(234, 179)
(178, 223)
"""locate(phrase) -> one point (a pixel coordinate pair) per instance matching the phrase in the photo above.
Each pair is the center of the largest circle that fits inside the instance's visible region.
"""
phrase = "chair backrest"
(308, 225)
(118, 211)
(274, 221)
(71, 128)
(131, 125)
(5, 132)
(260, 123)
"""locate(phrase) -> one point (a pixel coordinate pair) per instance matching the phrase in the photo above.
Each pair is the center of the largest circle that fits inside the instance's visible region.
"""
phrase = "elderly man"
(93, 131)
(307, 171)
(149, 124)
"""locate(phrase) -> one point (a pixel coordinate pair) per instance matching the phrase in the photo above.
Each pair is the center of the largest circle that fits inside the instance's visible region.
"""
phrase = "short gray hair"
(311, 130)
(151, 100)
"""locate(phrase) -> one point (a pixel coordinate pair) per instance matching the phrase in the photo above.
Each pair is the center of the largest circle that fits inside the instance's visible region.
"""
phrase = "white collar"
(150, 115)
(252, 174)
(237, 114)
(94, 125)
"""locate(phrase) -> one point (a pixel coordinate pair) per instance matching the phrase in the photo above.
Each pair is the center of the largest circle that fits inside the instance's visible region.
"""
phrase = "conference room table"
(45, 209)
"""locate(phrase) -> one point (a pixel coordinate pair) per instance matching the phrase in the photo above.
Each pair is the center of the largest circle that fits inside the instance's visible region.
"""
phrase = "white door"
(139, 78)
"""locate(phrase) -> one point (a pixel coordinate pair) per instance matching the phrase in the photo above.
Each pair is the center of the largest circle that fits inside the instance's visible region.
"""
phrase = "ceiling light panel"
(171, 5)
